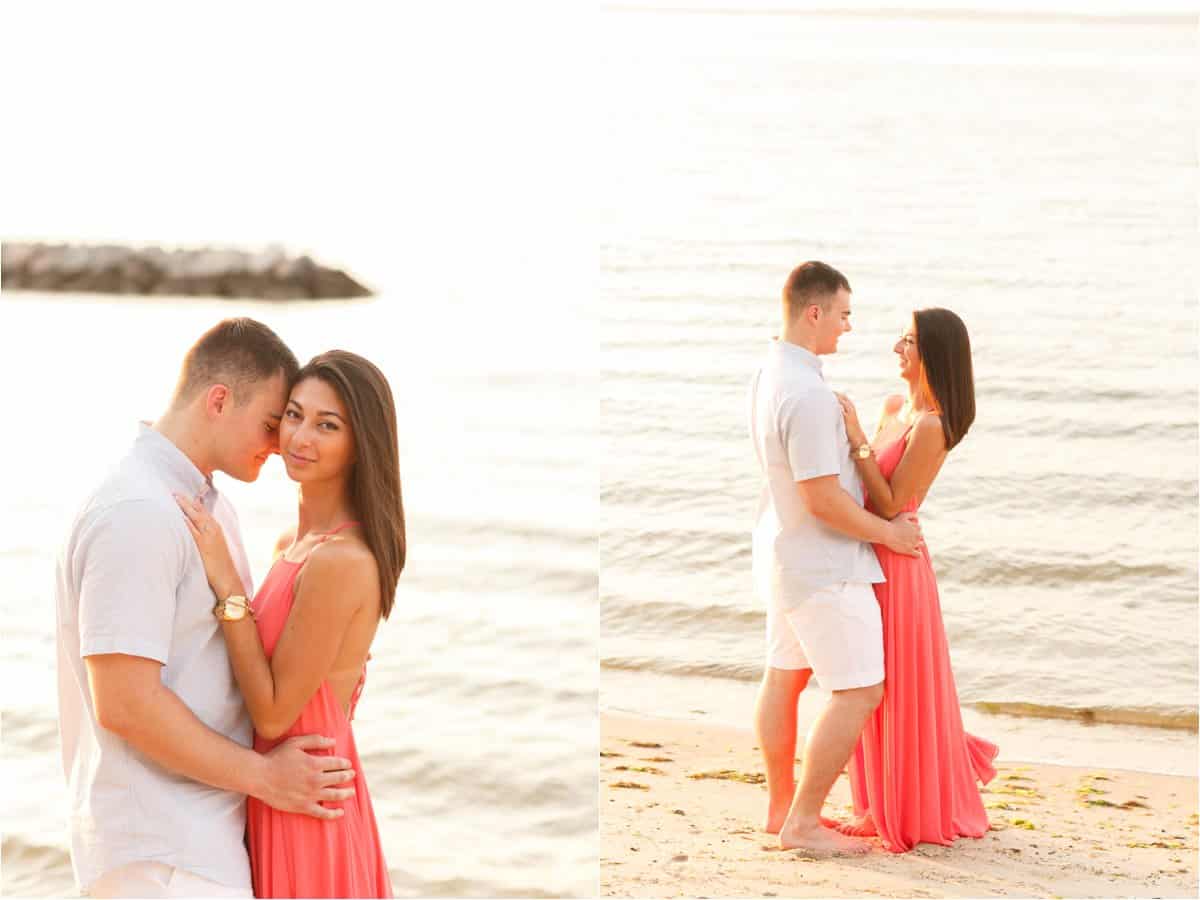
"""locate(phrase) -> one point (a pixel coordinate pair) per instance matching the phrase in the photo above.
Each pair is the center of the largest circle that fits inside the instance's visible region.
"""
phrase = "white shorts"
(835, 631)
(154, 879)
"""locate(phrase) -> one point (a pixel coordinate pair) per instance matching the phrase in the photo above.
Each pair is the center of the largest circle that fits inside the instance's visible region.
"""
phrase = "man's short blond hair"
(237, 353)
(812, 283)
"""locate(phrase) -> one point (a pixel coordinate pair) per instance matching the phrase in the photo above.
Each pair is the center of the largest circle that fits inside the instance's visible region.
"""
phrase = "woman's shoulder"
(346, 558)
(340, 573)
(892, 404)
(928, 431)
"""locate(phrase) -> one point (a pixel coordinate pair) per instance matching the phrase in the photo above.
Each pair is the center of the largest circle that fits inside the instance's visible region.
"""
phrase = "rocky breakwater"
(106, 269)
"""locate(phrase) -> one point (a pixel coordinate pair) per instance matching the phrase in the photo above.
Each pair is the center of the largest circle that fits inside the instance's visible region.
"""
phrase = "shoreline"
(1057, 830)
(1042, 740)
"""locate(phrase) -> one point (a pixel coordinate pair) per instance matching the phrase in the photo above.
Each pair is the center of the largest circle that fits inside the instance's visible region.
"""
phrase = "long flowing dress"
(915, 768)
(294, 855)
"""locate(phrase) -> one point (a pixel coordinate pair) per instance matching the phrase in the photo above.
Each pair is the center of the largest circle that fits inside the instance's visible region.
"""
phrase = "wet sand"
(681, 805)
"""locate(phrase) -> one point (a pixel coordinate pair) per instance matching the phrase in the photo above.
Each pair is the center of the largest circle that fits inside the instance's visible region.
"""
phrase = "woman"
(300, 653)
(914, 770)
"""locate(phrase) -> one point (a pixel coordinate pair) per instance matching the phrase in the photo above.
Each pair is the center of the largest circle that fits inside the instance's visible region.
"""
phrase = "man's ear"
(216, 399)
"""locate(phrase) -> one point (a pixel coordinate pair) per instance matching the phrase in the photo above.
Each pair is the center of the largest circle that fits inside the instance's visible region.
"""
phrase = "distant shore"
(681, 806)
(269, 274)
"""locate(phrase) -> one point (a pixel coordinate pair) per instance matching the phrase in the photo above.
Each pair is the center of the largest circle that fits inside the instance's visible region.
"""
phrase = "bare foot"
(862, 827)
(821, 841)
(775, 817)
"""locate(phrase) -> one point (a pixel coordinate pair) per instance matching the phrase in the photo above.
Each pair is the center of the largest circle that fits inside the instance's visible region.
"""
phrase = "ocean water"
(1037, 176)
(477, 725)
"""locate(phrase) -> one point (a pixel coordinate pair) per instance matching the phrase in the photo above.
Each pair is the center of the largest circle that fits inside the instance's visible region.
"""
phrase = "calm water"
(477, 726)
(1039, 179)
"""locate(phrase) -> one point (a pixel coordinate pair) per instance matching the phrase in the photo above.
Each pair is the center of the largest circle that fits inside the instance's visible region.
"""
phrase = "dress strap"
(334, 531)
(320, 540)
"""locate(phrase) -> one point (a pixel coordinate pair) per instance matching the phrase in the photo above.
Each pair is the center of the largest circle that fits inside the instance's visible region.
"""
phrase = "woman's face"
(315, 440)
(906, 350)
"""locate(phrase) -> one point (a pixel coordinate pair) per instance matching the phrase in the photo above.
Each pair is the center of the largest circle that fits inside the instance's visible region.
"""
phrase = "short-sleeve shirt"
(130, 580)
(798, 433)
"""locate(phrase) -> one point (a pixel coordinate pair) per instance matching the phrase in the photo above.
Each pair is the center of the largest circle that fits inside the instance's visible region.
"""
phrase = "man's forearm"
(838, 510)
(161, 726)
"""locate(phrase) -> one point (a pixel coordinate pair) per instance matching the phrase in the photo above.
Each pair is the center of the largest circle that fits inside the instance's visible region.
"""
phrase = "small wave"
(1147, 432)
(528, 689)
(409, 885)
(31, 730)
(549, 783)
(1124, 492)
(546, 580)
(1147, 717)
(687, 548)
(33, 869)
(659, 377)
(664, 614)
(978, 569)
(732, 671)
(17, 846)
(1082, 393)
(567, 536)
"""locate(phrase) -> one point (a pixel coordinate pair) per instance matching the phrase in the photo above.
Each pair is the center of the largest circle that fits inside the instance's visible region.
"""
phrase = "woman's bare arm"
(338, 578)
(923, 458)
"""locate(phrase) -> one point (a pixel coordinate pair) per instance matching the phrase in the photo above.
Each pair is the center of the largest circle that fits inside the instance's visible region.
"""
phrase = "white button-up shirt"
(131, 581)
(798, 433)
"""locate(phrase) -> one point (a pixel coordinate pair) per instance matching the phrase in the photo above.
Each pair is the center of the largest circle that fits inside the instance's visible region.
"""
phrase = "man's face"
(250, 431)
(833, 324)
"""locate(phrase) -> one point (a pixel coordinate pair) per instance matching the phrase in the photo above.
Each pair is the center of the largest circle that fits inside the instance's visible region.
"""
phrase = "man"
(155, 736)
(813, 565)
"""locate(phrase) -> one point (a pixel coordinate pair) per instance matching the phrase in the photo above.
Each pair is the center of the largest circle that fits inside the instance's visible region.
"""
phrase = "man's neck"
(800, 337)
(177, 428)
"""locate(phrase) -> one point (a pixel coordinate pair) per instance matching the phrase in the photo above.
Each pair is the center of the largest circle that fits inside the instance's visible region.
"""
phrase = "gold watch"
(862, 451)
(233, 608)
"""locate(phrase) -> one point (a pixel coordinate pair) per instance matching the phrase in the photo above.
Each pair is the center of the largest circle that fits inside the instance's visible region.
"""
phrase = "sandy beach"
(682, 804)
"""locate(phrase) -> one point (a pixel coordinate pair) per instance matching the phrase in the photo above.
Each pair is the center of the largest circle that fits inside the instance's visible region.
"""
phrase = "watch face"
(232, 609)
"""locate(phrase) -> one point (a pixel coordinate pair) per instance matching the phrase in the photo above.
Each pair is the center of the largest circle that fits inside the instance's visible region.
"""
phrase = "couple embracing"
(206, 737)
(850, 591)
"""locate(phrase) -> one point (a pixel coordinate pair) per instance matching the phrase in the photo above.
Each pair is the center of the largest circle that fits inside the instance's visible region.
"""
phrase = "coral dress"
(915, 769)
(294, 855)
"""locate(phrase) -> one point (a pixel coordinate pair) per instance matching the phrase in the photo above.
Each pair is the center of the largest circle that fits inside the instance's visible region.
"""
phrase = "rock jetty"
(107, 269)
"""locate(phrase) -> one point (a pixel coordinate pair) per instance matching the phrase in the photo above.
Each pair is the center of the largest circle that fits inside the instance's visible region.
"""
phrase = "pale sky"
(352, 129)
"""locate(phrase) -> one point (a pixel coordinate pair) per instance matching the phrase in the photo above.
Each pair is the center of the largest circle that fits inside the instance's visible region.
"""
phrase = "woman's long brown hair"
(375, 479)
(945, 351)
